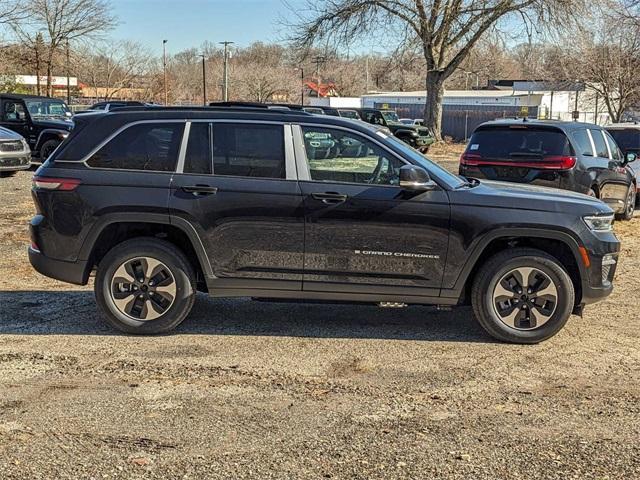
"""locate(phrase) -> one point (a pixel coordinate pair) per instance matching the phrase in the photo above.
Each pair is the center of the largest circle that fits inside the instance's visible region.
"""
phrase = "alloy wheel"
(631, 202)
(525, 298)
(143, 288)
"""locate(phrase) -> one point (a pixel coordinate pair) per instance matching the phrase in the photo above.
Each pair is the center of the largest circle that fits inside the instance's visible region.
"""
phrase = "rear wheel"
(629, 206)
(522, 296)
(7, 174)
(145, 286)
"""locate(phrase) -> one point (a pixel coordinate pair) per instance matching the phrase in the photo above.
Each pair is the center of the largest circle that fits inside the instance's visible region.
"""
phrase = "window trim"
(593, 144)
(611, 142)
(573, 137)
(87, 157)
(302, 162)
(595, 150)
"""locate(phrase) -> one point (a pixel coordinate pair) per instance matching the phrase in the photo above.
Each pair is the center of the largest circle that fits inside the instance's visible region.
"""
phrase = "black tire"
(7, 174)
(175, 263)
(482, 294)
(629, 205)
(47, 149)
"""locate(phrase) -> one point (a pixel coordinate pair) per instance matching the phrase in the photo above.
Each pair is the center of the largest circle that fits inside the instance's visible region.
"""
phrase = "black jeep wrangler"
(280, 204)
(418, 137)
(44, 122)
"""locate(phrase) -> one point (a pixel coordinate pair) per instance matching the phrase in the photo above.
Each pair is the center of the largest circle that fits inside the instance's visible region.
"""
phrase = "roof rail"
(238, 106)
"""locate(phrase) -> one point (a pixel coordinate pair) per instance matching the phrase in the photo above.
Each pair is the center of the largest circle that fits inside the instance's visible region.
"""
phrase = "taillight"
(551, 162)
(51, 183)
(471, 159)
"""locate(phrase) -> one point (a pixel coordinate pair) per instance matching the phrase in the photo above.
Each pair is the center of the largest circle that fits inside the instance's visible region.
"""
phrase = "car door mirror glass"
(415, 178)
(629, 157)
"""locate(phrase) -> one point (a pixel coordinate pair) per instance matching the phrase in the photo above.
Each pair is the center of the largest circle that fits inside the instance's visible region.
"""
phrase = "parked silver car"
(15, 153)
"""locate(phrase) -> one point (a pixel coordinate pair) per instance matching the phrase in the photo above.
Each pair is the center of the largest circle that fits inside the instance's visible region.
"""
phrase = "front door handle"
(330, 198)
(200, 189)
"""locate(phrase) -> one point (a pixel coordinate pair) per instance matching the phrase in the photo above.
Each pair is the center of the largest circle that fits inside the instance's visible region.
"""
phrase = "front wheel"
(630, 204)
(522, 296)
(145, 286)
(47, 149)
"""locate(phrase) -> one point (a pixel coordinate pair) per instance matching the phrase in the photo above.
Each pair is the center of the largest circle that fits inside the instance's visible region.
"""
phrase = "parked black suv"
(627, 136)
(581, 157)
(277, 204)
(415, 135)
(44, 122)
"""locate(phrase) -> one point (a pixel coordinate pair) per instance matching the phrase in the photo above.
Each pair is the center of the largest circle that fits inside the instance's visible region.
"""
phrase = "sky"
(188, 23)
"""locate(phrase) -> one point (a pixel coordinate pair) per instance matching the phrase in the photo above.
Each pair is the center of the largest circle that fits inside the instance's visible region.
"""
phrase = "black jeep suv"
(44, 122)
(276, 204)
(417, 136)
(581, 157)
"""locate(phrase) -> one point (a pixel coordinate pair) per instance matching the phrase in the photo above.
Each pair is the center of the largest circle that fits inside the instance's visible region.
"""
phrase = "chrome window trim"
(304, 164)
(289, 154)
(593, 144)
(183, 147)
(300, 153)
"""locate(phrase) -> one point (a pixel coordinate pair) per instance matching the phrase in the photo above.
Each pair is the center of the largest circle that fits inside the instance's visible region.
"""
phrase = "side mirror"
(416, 179)
(629, 157)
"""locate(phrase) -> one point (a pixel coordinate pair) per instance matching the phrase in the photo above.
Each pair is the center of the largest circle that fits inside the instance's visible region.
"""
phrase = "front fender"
(50, 133)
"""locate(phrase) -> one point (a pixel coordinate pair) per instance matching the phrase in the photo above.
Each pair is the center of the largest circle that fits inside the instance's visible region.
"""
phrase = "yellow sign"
(524, 111)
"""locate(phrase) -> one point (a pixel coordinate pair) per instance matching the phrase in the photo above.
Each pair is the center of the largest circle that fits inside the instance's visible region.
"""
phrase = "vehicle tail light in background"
(51, 183)
(34, 247)
(550, 162)
(470, 159)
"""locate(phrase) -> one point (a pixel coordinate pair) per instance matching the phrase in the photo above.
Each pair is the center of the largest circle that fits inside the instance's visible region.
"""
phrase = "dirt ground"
(265, 390)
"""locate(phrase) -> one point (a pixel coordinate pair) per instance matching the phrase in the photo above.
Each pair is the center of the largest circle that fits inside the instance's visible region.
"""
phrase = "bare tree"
(63, 21)
(445, 30)
(12, 11)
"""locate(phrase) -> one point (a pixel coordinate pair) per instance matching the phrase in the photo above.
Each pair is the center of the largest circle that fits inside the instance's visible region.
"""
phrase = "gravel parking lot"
(265, 390)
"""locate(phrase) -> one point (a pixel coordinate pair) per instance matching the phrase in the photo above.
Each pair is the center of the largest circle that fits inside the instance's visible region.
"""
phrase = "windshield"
(430, 166)
(47, 108)
(390, 116)
(349, 114)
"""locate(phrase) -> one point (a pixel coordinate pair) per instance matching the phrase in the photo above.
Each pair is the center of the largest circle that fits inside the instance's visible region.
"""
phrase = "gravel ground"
(265, 390)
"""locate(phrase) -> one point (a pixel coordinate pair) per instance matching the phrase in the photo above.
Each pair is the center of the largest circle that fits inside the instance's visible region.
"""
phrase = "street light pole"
(164, 68)
(301, 85)
(204, 81)
(68, 81)
(225, 81)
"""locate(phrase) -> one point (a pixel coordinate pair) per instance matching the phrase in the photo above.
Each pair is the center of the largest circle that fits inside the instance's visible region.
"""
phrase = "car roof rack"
(238, 106)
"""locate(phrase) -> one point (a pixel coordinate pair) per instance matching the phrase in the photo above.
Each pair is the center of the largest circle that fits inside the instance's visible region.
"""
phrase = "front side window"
(616, 154)
(48, 108)
(248, 150)
(14, 112)
(598, 140)
(340, 156)
(145, 146)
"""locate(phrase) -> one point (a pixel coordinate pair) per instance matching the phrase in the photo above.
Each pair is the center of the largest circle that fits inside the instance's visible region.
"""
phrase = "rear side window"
(598, 141)
(248, 150)
(616, 154)
(627, 139)
(145, 146)
(519, 143)
(197, 159)
(583, 142)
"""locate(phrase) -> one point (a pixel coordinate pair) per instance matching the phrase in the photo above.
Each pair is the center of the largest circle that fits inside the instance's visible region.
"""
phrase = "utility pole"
(68, 82)
(366, 72)
(225, 80)
(301, 85)
(204, 81)
(164, 69)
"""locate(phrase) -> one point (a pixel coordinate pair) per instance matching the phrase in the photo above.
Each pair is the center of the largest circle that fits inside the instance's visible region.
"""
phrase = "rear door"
(364, 234)
(236, 186)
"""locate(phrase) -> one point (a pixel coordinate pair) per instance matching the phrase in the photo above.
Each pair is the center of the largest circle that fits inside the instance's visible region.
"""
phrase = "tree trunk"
(433, 106)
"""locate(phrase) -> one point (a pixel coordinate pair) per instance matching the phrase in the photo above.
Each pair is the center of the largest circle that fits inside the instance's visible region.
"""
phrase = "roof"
(20, 96)
(625, 125)
(450, 93)
(564, 124)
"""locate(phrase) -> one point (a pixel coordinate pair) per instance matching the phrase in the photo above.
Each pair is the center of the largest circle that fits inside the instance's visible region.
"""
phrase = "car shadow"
(75, 313)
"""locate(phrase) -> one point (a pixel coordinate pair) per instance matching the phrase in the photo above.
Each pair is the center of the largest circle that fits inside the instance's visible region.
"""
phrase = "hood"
(534, 197)
(422, 131)
(52, 122)
(6, 134)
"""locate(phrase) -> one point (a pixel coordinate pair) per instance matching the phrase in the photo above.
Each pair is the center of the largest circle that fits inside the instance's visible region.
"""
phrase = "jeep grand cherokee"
(268, 203)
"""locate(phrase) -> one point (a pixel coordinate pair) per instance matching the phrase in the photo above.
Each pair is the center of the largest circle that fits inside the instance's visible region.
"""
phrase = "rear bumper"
(70, 272)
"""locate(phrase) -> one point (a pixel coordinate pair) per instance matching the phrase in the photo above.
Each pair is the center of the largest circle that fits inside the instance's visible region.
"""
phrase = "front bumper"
(70, 272)
(20, 161)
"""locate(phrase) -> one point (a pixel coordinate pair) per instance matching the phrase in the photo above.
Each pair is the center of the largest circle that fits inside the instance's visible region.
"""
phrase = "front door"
(236, 186)
(14, 117)
(364, 234)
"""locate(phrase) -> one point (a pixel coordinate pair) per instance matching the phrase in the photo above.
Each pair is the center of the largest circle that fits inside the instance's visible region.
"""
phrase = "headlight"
(599, 223)
(25, 145)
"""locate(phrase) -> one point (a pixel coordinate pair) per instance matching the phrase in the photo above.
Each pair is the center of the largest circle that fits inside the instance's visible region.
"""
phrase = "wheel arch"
(559, 245)
(117, 228)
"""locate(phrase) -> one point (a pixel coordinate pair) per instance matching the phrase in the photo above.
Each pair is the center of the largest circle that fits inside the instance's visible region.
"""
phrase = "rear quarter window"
(145, 146)
(515, 143)
(583, 143)
(599, 142)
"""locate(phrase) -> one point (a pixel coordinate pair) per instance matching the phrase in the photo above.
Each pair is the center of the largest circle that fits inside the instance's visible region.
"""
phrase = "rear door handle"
(330, 198)
(200, 189)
